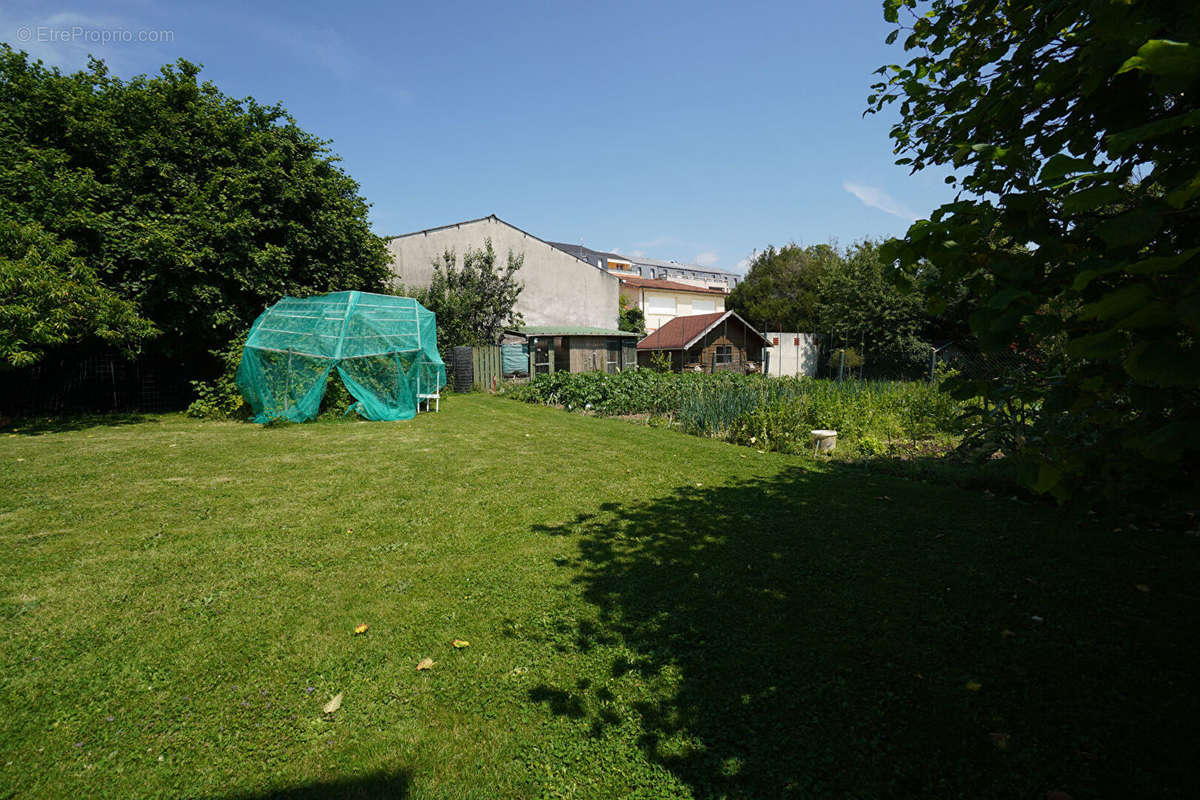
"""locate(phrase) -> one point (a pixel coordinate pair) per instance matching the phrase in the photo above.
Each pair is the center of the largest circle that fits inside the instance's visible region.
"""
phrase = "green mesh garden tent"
(384, 349)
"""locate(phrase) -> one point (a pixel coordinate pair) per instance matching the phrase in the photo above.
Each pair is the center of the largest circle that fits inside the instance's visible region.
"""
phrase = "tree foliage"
(474, 304)
(858, 307)
(630, 317)
(780, 290)
(845, 296)
(199, 208)
(50, 298)
(1073, 126)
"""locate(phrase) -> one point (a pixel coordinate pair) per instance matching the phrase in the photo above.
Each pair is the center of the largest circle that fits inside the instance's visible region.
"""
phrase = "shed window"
(724, 354)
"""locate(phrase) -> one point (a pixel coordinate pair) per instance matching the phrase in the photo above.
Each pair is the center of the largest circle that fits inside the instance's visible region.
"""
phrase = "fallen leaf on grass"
(884, 498)
(361, 629)
(974, 686)
(334, 704)
(1053, 795)
(461, 643)
(1007, 634)
(1000, 740)
(425, 663)
(1141, 587)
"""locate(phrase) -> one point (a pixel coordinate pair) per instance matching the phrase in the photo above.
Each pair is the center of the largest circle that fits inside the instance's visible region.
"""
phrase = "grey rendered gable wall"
(559, 288)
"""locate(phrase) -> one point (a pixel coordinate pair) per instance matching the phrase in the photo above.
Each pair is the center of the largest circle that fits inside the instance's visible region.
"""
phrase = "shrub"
(660, 361)
(220, 398)
(846, 357)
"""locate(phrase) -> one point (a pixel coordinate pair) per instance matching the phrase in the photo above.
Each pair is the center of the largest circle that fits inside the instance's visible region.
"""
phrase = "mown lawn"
(649, 615)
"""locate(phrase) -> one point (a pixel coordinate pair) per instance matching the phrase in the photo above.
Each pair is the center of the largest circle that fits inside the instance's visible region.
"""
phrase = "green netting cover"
(384, 349)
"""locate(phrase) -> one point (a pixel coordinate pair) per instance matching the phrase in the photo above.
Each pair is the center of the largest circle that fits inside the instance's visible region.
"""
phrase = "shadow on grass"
(823, 634)
(382, 785)
(35, 426)
(998, 475)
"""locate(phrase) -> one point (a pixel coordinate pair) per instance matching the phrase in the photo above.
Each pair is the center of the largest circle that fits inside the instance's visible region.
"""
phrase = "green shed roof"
(567, 330)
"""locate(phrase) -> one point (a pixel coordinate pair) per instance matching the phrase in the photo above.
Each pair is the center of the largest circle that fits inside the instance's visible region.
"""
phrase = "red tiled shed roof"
(681, 332)
(678, 332)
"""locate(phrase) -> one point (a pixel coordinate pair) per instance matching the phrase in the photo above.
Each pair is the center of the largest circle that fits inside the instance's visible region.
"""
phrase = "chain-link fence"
(968, 362)
(855, 358)
(912, 359)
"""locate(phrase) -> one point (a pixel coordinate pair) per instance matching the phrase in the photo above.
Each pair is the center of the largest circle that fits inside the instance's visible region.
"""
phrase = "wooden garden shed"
(717, 342)
(577, 349)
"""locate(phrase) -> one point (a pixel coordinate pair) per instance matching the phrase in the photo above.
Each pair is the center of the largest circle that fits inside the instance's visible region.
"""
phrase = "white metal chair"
(425, 397)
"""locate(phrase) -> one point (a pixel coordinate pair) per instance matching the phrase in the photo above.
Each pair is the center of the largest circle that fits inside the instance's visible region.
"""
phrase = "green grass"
(650, 615)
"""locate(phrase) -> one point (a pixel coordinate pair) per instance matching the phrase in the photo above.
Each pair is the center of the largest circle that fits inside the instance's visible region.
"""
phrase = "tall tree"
(200, 208)
(1073, 126)
(476, 303)
(780, 290)
(861, 309)
(49, 298)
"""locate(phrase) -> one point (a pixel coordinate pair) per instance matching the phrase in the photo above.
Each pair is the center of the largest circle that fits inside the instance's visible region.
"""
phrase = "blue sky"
(689, 131)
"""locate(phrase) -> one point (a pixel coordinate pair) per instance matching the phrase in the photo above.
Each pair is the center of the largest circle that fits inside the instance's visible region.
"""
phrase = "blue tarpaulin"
(515, 357)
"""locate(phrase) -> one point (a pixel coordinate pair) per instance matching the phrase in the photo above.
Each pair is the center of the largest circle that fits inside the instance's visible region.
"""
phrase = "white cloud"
(878, 198)
(707, 258)
(742, 266)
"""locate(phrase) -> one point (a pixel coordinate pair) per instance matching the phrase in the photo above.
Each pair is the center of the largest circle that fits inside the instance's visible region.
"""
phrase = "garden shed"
(718, 342)
(559, 348)
(383, 347)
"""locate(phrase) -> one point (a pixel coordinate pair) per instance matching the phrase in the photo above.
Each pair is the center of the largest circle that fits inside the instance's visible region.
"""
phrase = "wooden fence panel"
(488, 363)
